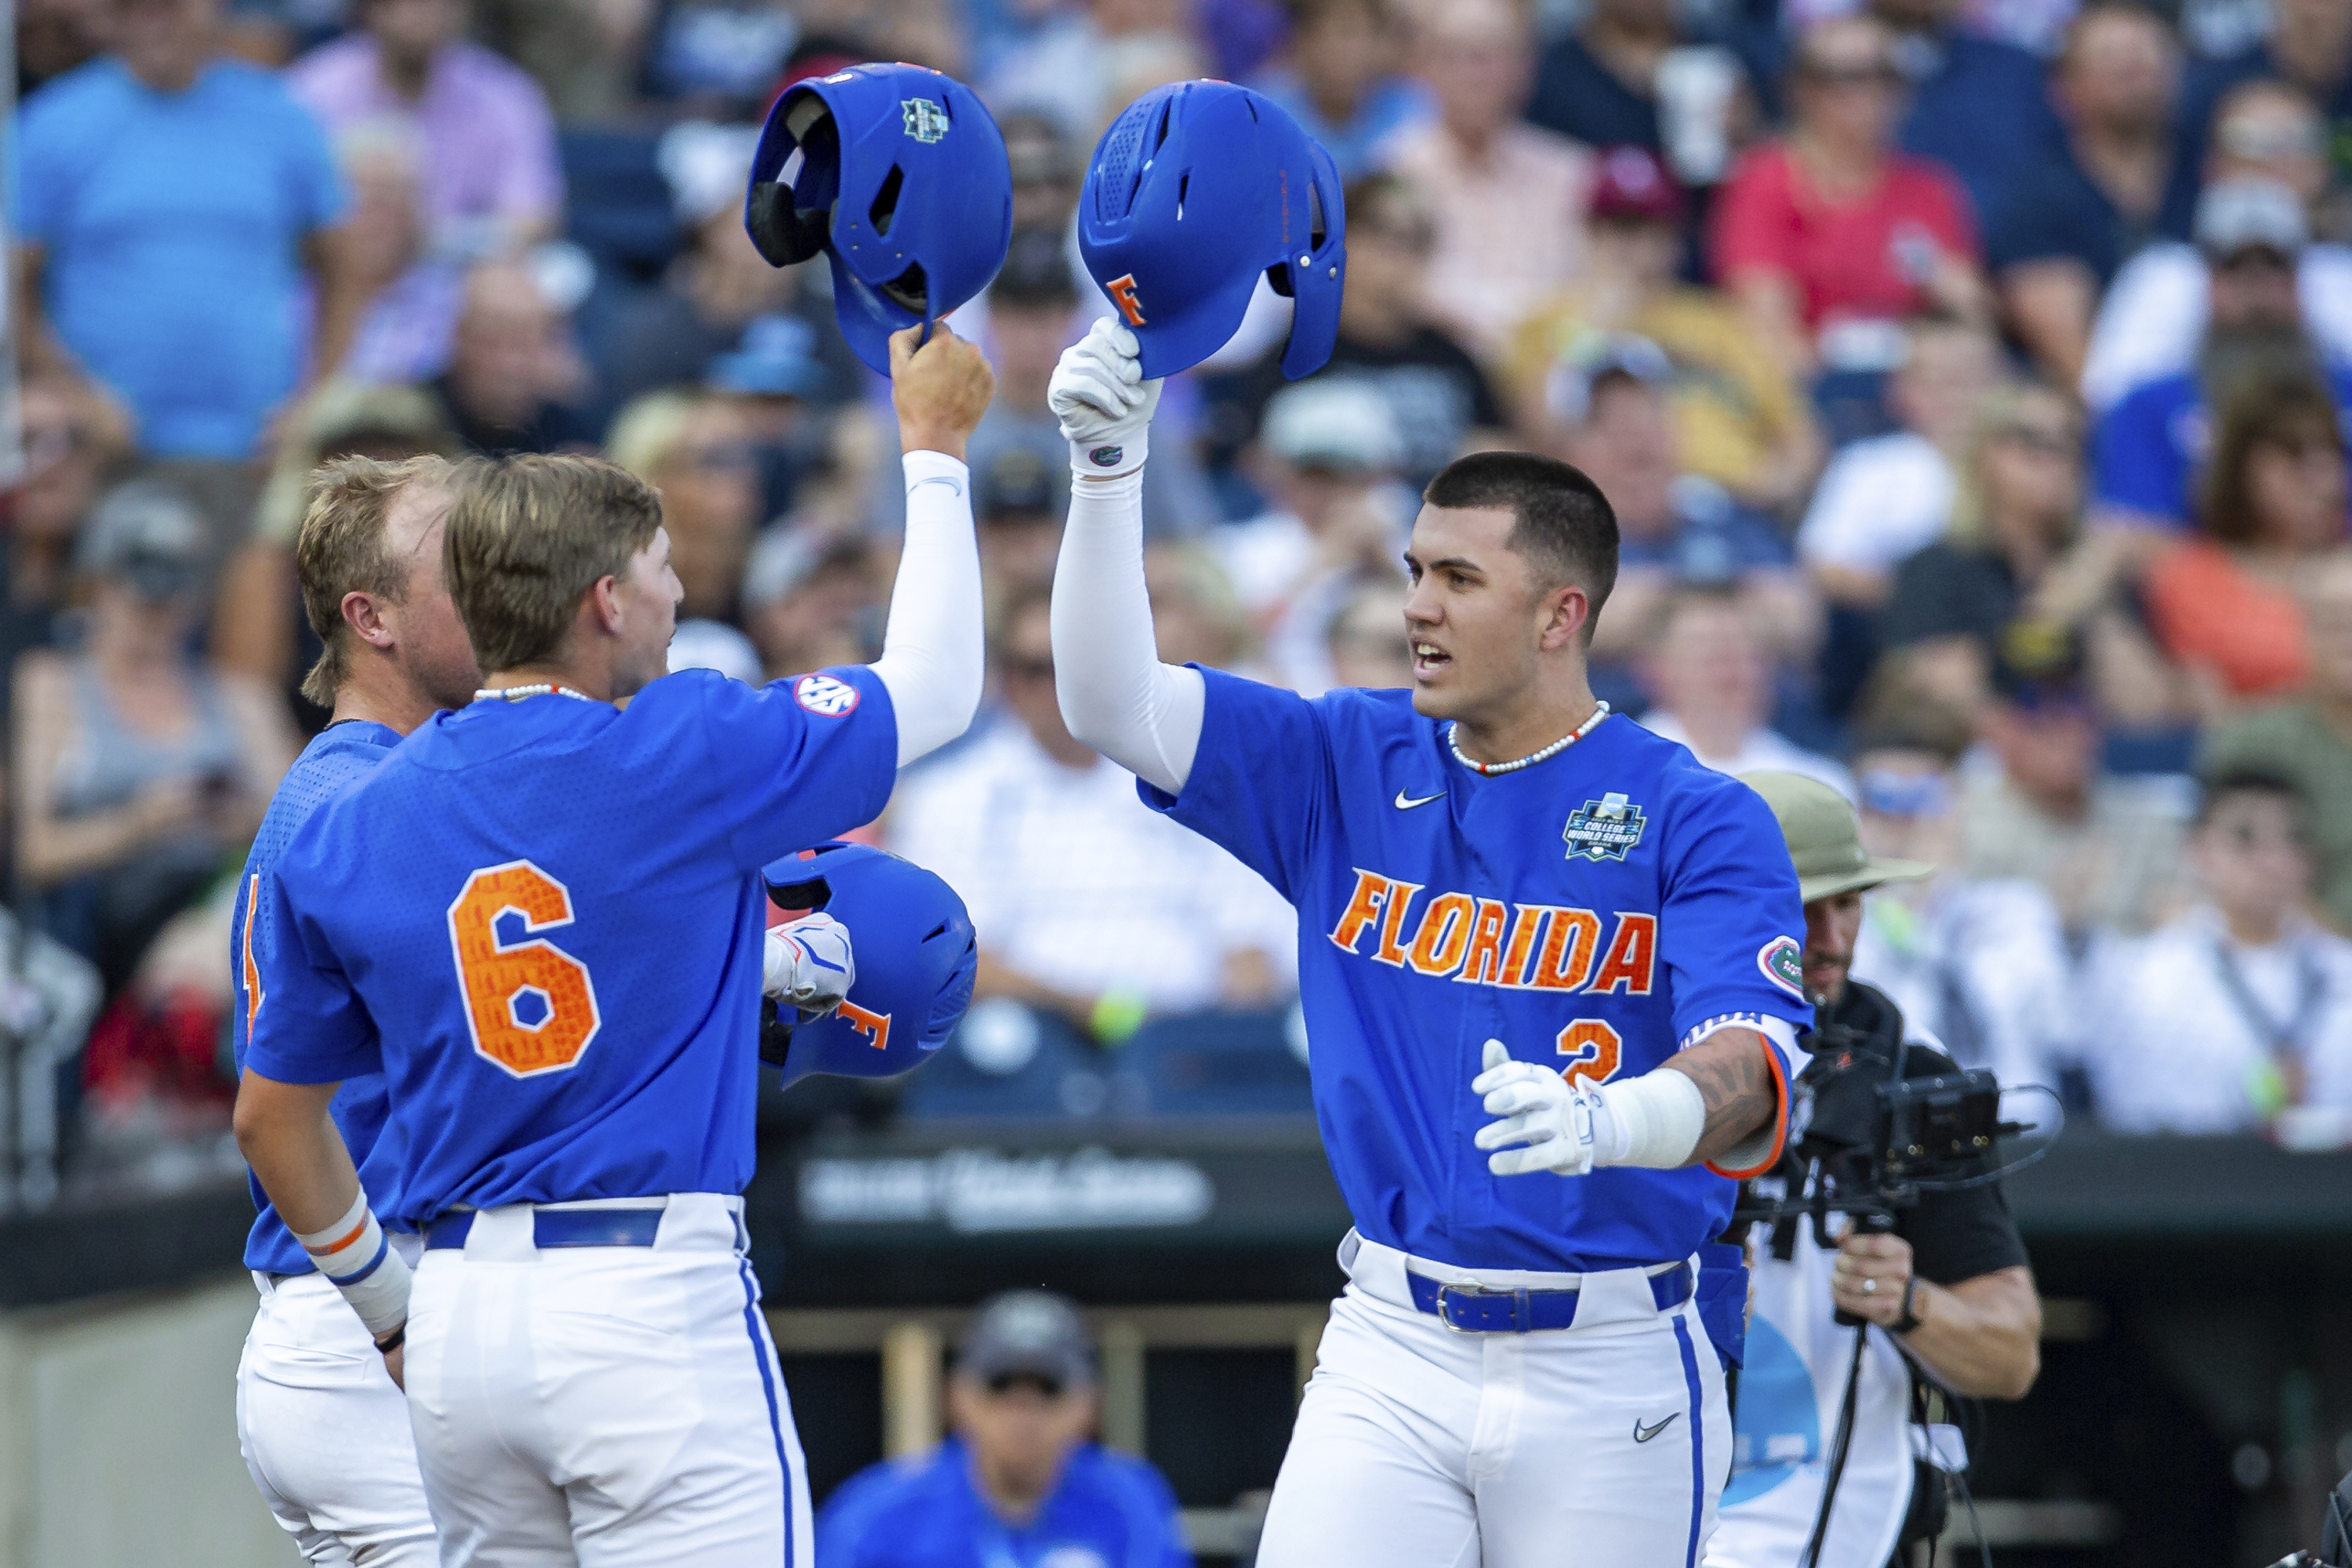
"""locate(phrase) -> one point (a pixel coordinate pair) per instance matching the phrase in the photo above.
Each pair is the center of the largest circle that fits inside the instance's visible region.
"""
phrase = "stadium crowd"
(1969, 378)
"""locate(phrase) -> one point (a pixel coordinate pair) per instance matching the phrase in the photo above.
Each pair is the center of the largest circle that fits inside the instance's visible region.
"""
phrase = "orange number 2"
(504, 984)
(1595, 1045)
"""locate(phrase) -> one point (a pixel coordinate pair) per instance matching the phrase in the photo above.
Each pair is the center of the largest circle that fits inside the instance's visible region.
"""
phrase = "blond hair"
(341, 550)
(528, 536)
(650, 428)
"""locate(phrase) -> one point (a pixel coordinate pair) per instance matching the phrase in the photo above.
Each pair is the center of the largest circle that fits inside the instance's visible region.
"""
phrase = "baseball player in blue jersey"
(1550, 965)
(540, 919)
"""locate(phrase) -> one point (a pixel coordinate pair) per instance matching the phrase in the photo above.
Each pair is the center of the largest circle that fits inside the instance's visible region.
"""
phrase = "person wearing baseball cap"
(1950, 1285)
(1741, 421)
(1022, 1479)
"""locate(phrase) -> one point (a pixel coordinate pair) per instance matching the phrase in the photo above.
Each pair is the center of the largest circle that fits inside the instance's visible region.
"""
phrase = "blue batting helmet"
(899, 175)
(916, 960)
(1195, 191)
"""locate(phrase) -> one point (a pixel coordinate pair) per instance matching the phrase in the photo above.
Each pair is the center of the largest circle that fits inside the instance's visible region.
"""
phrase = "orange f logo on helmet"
(1121, 291)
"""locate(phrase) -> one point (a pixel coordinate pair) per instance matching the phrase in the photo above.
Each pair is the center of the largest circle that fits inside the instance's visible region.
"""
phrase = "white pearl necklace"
(538, 689)
(1488, 770)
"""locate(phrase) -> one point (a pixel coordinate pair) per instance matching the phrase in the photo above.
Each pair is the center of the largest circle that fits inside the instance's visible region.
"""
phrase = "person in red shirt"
(1828, 237)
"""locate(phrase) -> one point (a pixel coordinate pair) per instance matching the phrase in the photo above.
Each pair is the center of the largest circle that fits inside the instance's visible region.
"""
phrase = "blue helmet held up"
(899, 175)
(916, 959)
(1195, 191)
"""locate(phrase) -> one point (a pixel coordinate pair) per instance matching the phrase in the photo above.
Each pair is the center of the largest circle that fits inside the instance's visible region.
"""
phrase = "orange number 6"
(497, 977)
(1595, 1045)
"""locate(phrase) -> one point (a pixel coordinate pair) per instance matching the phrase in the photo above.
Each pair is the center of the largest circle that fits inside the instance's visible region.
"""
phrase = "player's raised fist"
(1105, 404)
(939, 388)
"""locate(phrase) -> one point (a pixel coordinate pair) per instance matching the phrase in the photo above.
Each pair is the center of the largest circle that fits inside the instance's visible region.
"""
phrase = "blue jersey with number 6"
(542, 921)
(1595, 913)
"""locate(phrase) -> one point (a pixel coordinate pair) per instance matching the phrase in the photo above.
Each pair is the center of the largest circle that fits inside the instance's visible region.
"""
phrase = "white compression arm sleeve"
(933, 649)
(1115, 695)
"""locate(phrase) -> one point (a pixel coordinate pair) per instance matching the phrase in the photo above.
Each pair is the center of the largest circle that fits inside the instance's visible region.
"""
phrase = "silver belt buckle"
(1444, 1316)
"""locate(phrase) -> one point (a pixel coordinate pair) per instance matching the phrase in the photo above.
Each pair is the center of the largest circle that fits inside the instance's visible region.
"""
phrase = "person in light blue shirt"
(168, 206)
(1019, 1485)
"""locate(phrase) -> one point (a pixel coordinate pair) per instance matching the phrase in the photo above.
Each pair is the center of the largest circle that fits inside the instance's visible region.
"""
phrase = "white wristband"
(358, 1259)
(1654, 1121)
(1113, 456)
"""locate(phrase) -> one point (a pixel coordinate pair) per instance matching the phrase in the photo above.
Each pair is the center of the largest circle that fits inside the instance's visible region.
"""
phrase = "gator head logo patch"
(926, 122)
(1603, 829)
(1783, 963)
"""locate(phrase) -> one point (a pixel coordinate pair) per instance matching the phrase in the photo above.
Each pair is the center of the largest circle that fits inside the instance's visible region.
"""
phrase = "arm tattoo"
(1736, 1082)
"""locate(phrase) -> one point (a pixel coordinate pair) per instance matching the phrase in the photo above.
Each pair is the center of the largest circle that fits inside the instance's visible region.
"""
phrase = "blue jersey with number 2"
(542, 921)
(1594, 912)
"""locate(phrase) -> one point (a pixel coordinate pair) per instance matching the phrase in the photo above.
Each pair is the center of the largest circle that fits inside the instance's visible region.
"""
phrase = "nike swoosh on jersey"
(1405, 805)
(1643, 1434)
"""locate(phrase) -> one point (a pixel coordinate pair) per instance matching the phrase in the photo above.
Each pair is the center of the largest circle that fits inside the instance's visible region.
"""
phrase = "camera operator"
(1946, 1293)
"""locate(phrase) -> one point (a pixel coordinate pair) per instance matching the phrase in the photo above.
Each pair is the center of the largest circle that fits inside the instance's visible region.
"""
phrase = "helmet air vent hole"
(1314, 230)
(1183, 188)
(886, 200)
(910, 291)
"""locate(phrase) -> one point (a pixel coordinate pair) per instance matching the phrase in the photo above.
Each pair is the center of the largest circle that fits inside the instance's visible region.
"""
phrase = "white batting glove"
(809, 964)
(1562, 1124)
(1104, 404)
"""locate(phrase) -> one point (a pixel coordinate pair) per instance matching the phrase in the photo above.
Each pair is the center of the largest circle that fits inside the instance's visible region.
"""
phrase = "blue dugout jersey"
(337, 757)
(1107, 1511)
(542, 921)
(1593, 912)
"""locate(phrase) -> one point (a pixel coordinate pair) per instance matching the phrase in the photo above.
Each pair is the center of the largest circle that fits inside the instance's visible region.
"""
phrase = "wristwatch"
(1909, 1319)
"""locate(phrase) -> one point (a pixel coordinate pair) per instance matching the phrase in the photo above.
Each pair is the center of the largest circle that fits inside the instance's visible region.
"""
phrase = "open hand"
(1542, 1109)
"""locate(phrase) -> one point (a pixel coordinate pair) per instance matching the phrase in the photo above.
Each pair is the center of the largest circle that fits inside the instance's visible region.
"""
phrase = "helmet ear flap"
(789, 217)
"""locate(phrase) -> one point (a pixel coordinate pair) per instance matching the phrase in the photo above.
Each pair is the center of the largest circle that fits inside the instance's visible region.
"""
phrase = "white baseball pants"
(324, 1431)
(1417, 1447)
(605, 1407)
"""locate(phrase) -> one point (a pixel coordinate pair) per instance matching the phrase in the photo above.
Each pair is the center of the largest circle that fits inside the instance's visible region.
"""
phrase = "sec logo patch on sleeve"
(825, 696)
(1783, 963)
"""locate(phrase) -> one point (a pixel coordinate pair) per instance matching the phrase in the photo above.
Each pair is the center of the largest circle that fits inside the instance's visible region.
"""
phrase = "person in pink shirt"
(1508, 199)
(481, 146)
(1828, 237)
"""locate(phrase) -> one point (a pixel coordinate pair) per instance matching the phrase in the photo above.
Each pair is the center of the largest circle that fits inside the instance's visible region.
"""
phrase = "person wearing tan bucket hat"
(1950, 1282)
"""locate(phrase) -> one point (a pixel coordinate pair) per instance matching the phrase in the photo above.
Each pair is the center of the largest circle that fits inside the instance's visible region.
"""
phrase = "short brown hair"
(2283, 408)
(341, 550)
(528, 536)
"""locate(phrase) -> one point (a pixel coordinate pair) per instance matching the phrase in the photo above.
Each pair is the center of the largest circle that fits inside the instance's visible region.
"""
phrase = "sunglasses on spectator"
(1019, 668)
(2048, 440)
(1825, 73)
(723, 456)
(1006, 1383)
(1887, 793)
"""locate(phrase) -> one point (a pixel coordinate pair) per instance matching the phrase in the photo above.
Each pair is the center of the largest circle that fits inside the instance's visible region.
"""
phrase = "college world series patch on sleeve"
(1783, 963)
(1603, 829)
(826, 697)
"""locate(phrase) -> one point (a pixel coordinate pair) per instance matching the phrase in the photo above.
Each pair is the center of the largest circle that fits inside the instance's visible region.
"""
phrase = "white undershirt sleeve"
(1115, 695)
(934, 650)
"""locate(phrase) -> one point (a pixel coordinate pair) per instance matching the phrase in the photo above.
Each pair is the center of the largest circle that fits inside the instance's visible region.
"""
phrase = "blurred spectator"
(1020, 531)
(258, 627)
(1507, 200)
(2241, 1009)
(482, 146)
(1046, 170)
(1883, 498)
(773, 379)
(1021, 1480)
(1827, 234)
(53, 37)
(52, 995)
(714, 645)
(585, 55)
(2223, 603)
(2105, 848)
(1331, 451)
(1608, 84)
(1195, 613)
(2073, 220)
(1092, 60)
(72, 438)
(1033, 316)
(181, 293)
(1339, 78)
(811, 601)
(2016, 548)
(1980, 965)
(1366, 640)
(2170, 298)
(512, 372)
(2308, 47)
(1977, 106)
(1712, 690)
(1673, 526)
(719, 285)
(136, 769)
(720, 58)
(1441, 400)
(696, 450)
(1744, 423)
(1087, 903)
(2309, 739)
